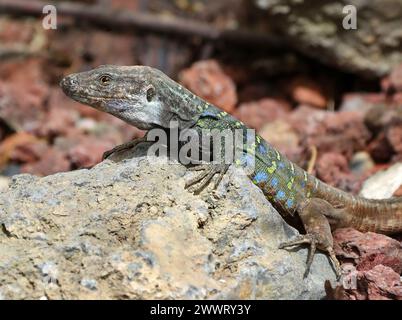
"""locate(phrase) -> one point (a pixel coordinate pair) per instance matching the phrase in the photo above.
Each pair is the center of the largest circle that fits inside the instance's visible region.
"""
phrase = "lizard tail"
(381, 216)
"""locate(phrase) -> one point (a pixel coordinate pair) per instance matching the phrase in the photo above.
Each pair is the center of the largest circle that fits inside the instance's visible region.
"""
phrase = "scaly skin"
(147, 98)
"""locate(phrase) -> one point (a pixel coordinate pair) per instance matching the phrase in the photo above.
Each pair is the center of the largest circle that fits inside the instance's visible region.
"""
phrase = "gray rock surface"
(315, 28)
(130, 230)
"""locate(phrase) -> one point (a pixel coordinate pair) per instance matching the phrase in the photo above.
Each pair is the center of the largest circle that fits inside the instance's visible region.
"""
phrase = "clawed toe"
(199, 182)
(313, 242)
(302, 239)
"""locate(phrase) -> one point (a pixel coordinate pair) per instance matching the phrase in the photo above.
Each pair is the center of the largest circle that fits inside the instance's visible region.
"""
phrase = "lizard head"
(142, 96)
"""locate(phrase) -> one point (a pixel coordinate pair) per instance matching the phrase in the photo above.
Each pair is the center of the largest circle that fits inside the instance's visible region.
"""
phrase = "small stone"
(90, 284)
(256, 114)
(361, 162)
(282, 137)
(383, 184)
(306, 91)
(153, 210)
(207, 80)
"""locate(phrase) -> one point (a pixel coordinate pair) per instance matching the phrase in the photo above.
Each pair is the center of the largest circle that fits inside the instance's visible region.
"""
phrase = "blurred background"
(290, 69)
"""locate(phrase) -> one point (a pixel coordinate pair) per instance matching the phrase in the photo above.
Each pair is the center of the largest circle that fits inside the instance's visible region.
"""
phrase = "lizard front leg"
(318, 231)
(209, 170)
(125, 146)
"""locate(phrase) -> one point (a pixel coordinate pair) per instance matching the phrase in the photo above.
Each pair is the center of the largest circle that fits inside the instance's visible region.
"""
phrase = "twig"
(129, 20)
(313, 159)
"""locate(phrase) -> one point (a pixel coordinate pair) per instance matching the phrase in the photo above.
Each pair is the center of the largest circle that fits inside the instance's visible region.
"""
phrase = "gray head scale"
(142, 96)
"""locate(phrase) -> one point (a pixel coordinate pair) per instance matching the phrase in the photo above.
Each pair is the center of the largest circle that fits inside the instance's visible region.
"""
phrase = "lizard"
(147, 98)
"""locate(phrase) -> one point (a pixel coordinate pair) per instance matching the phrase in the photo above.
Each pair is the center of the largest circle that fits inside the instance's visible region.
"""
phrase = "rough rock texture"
(371, 263)
(130, 230)
(368, 249)
(376, 268)
(315, 28)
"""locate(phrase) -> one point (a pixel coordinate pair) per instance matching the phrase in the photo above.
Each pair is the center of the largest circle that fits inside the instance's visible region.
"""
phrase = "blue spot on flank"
(260, 177)
(289, 203)
(303, 184)
(281, 165)
(262, 149)
(274, 182)
(280, 194)
(208, 114)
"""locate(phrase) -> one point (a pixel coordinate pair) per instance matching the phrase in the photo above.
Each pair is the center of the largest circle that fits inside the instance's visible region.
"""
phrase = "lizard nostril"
(68, 84)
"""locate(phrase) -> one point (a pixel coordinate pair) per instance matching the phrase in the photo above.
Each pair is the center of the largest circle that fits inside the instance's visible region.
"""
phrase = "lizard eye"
(150, 93)
(105, 79)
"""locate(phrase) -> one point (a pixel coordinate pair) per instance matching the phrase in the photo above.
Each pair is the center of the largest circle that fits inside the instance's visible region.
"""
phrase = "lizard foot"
(314, 242)
(312, 213)
(208, 172)
(122, 147)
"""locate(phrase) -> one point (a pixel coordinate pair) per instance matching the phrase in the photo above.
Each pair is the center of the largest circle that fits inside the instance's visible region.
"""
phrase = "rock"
(383, 184)
(282, 137)
(62, 114)
(380, 283)
(28, 150)
(88, 151)
(207, 80)
(376, 268)
(10, 146)
(394, 137)
(129, 230)
(362, 102)
(307, 92)
(316, 29)
(256, 114)
(361, 163)
(339, 132)
(333, 169)
(50, 161)
(4, 183)
(386, 125)
(393, 82)
(368, 250)
(23, 109)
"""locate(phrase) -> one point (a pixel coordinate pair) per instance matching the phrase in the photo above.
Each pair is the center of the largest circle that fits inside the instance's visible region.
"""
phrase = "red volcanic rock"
(257, 113)
(88, 151)
(333, 169)
(50, 161)
(283, 138)
(339, 132)
(368, 249)
(57, 122)
(380, 149)
(207, 80)
(23, 93)
(29, 151)
(378, 265)
(381, 283)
